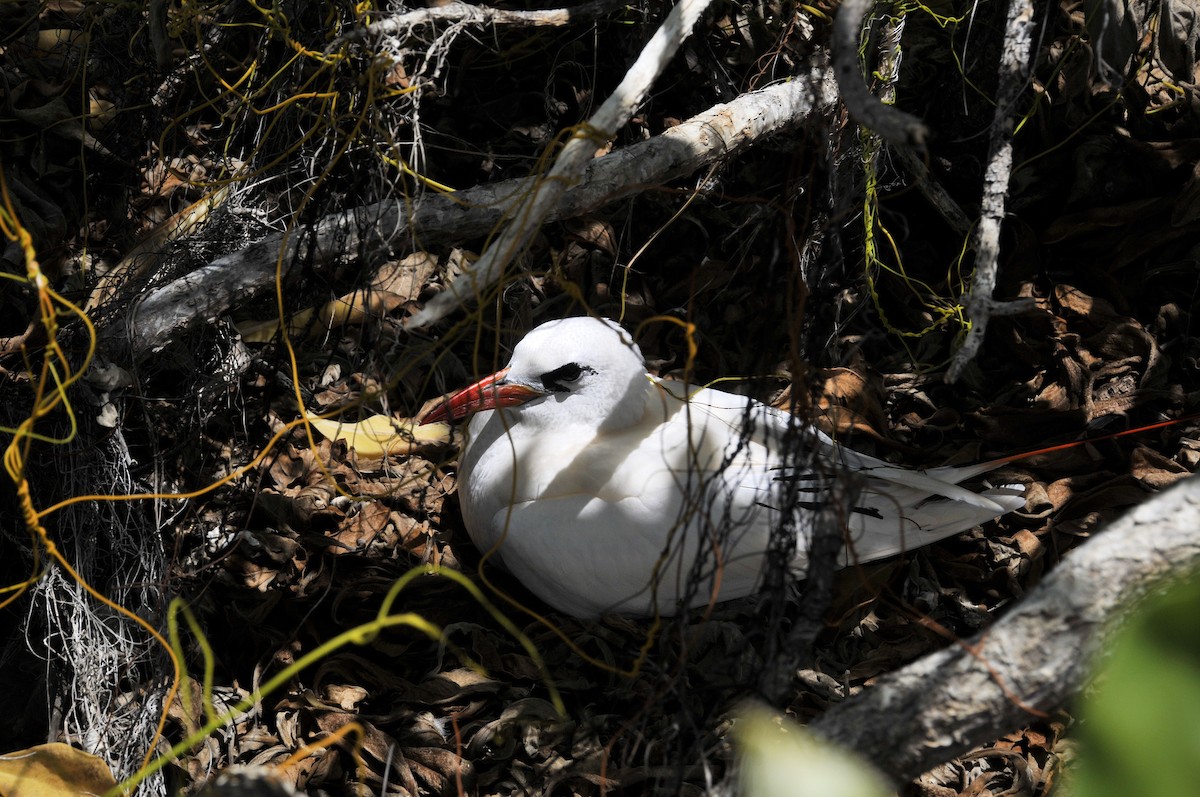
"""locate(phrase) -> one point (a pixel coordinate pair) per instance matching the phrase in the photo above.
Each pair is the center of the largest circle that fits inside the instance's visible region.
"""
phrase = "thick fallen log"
(1033, 660)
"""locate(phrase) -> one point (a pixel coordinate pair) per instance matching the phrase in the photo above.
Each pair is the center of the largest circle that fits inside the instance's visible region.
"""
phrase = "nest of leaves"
(310, 543)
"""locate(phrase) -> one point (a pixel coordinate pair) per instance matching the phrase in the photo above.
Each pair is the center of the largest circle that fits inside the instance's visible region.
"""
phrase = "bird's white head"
(571, 372)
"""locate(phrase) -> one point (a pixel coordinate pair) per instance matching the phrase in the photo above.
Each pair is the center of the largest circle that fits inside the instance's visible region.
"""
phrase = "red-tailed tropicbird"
(603, 488)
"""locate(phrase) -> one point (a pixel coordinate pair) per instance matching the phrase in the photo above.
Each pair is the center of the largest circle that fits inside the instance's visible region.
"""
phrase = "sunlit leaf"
(382, 435)
(53, 770)
(782, 759)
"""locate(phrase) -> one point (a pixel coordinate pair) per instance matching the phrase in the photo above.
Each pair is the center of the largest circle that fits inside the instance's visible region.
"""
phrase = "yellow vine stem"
(277, 21)
(359, 635)
(232, 476)
(941, 310)
(206, 652)
(280, 302)
(53, 379)
(814, 11)
(400, 165)
(244, 90)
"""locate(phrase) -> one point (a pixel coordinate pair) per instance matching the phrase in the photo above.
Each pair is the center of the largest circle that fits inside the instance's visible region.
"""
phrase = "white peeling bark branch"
(888, 122)
(568, 168)
(376, 230)
(402, 25)
(1038, 656)
(1014, 72)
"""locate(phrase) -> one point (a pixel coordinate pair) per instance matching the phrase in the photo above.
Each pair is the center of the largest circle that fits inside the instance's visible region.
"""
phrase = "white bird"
(604, 489)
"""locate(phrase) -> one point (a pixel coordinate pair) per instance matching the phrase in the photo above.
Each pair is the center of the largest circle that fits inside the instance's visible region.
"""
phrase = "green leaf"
(1141, 722)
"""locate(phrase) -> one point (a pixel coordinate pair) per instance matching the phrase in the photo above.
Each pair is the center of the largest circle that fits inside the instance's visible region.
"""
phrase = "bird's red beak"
(486, 394)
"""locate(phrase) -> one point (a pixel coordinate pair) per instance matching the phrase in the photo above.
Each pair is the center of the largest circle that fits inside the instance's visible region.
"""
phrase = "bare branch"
(402, 25)
(893, 125)
(374, 230)
(568, 168)
(1014, 71)
(934, 192)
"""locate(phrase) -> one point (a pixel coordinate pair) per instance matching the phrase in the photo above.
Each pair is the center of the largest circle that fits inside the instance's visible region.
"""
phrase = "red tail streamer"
(1111, 436)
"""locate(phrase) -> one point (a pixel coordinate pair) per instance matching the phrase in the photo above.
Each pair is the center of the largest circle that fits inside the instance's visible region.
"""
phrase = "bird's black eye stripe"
(557, 380)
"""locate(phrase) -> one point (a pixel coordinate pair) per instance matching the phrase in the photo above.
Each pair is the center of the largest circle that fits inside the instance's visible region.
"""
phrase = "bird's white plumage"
(614, 491)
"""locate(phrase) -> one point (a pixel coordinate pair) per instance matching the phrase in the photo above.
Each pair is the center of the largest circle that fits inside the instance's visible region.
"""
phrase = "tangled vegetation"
(219, 219)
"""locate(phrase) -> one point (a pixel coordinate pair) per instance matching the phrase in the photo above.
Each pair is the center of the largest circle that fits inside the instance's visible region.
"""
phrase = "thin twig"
(1014, 72)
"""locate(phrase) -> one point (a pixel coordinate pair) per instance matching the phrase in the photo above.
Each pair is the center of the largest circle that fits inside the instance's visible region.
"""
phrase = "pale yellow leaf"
(382, 435)
(779, 758)
(53, 770)
(147, 254)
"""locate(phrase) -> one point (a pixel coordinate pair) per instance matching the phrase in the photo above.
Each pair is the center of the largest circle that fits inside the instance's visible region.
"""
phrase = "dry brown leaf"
(406, 277)
(291, 466)
(1105, 498)
(1155, 470)
(394, 284)
(439, 767)
(593, 232)
(1059, 492)
(257, 558)
(1073, 300)
(362, 526)
(849, 403)
(345, 696)
(374, 741)
(352, 308)
(299, 509)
